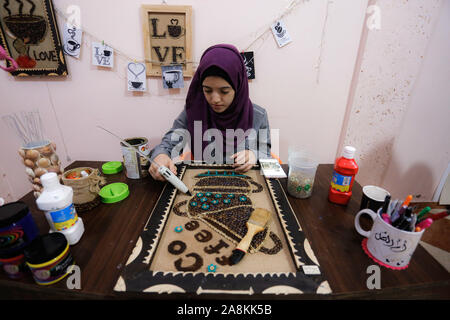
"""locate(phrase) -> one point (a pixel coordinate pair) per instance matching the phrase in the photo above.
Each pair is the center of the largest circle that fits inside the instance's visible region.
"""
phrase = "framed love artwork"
(29, 33)
(167, 38)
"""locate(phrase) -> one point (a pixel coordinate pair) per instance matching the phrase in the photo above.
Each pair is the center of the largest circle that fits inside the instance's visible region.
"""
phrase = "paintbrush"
(255, 224)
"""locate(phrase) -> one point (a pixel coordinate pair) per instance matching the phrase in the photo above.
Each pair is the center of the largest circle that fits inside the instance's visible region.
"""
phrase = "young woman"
(218, 105)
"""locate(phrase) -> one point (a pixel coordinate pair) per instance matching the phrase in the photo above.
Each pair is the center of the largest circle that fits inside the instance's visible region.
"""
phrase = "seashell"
(30, 172)
(32, 154)
(54, 158)
(53, 146)
(37, 180)
(36, 187)
(43, 162)
(53, 169)
(47, 150)
(22, 153)
(36, 194)
(29, 163)
(39, 171)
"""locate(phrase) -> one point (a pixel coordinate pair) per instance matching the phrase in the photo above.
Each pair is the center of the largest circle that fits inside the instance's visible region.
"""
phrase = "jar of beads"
(302, 171)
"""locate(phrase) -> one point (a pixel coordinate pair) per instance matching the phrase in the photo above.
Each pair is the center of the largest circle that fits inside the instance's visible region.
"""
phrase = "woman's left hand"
(243, 160)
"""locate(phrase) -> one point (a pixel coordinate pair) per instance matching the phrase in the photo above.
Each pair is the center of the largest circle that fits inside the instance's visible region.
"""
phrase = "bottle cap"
(50, 180)
(348, 152)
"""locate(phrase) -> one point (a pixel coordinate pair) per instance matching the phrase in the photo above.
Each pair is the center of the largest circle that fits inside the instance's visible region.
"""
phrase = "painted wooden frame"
(167, 37)
(29, 33)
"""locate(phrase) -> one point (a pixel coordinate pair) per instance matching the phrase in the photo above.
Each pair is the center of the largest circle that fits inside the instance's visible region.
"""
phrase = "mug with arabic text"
(385, 244)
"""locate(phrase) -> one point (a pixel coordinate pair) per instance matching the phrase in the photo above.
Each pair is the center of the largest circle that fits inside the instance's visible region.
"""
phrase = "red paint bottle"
(343, 178)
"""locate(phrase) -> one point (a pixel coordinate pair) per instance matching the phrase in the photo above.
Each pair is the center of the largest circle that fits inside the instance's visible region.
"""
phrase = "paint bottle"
(57, 202)
(345, 169)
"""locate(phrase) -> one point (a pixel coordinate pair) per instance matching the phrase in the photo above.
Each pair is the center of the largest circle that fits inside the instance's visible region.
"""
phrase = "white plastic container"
(57, 202)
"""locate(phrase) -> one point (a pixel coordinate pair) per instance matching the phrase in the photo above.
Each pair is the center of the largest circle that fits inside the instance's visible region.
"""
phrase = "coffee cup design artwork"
(171, 77)
(136, 69)
(175, 31)
(385, 244)
(72, 46)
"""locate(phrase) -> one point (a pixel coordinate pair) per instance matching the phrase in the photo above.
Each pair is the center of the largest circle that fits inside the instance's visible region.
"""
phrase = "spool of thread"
(48, 258)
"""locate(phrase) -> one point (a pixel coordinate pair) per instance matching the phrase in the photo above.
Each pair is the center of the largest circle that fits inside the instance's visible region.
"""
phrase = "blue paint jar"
(17, 229)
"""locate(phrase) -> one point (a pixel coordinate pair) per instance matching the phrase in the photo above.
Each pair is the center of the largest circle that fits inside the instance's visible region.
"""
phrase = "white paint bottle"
(57, 202)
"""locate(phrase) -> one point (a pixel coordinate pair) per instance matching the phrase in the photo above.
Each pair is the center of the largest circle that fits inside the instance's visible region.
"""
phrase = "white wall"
(306, 111)
(398, 110)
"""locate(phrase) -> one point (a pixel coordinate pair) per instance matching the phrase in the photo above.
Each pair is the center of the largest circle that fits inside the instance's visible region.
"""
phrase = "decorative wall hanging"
(249, 61)
(167, 37)
(72, 40)
(136, 76)
(102, 55)
(280, 33)
(29, 33)
(172, 77)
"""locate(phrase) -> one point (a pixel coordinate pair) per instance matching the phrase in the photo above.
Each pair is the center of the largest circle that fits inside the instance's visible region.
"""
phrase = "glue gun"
(164, 171)
(173, 179)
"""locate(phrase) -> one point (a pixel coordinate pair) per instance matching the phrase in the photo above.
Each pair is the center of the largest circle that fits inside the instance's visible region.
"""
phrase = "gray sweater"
(178, 136)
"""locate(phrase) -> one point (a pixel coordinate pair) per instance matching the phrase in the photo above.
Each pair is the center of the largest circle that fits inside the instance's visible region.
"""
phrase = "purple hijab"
(239, 114)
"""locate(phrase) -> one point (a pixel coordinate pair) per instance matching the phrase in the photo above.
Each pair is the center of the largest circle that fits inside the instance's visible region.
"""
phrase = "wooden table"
(113, 229)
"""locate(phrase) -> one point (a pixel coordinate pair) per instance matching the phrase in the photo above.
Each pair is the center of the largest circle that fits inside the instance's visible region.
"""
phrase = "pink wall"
(399, 106)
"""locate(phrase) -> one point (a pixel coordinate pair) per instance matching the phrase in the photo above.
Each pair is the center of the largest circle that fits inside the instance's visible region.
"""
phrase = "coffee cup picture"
(31, 38)
(136, 84)
(175, 31)
(72, 46)
(173, 78)
(136, 76)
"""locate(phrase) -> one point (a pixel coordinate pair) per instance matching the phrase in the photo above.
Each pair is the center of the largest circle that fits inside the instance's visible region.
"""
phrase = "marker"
(439, 215)
(402, 209)
(387, 200)
(422, 213)
(425, 223)
(386, 218)
(164, 171)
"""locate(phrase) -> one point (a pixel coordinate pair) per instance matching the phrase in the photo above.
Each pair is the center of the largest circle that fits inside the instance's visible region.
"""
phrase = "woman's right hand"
(163, 160)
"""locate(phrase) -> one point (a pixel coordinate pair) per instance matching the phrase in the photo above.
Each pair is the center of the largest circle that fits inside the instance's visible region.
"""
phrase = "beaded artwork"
(187, 241)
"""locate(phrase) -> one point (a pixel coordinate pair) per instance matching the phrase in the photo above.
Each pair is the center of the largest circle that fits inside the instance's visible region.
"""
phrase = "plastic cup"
(302, 172)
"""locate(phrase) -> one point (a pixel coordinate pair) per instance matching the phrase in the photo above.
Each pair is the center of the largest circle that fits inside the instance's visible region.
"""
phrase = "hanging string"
(292, 5)
(120, 52)
(57, 122)
(319, 60)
